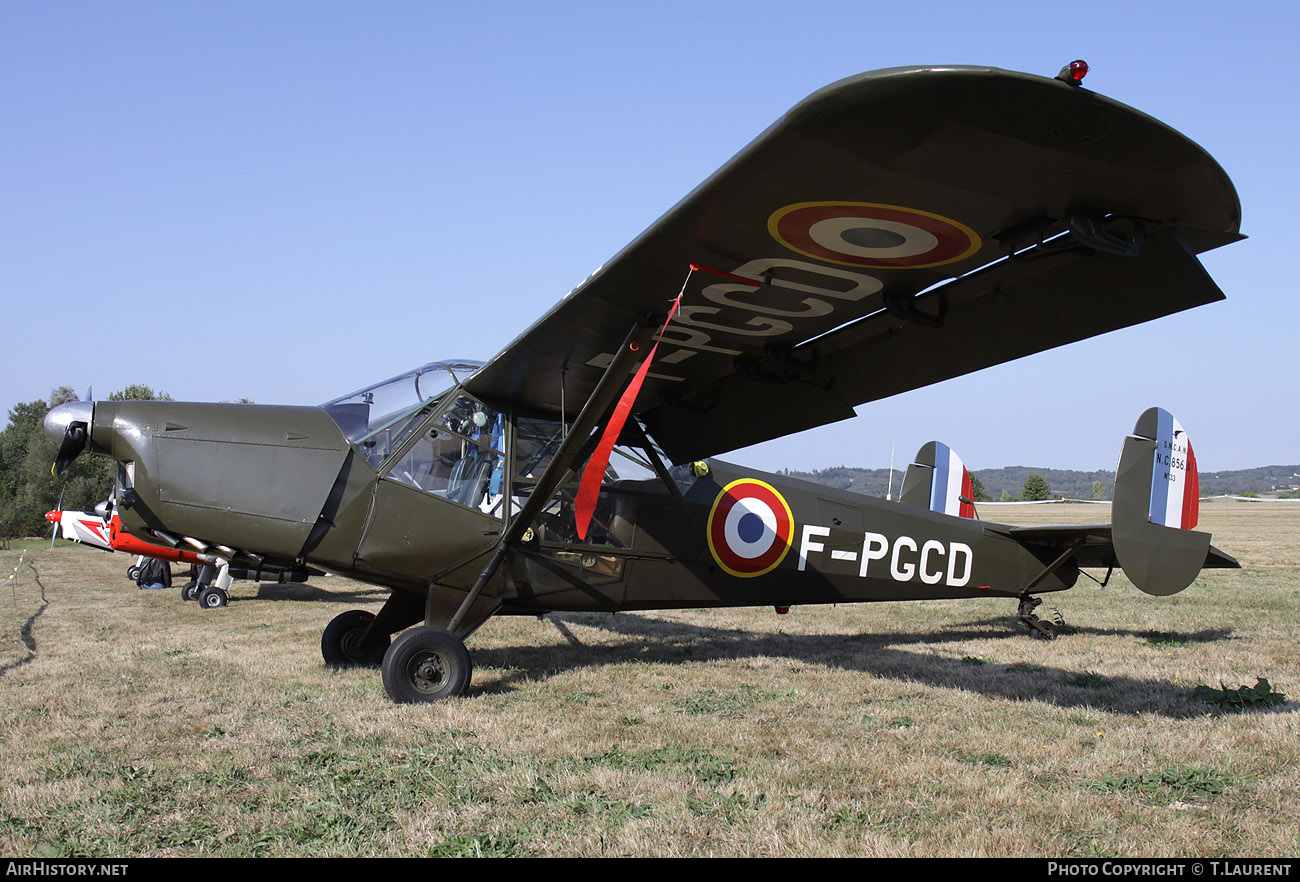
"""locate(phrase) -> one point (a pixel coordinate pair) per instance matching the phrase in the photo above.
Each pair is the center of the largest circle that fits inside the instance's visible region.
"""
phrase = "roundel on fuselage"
(750, 528)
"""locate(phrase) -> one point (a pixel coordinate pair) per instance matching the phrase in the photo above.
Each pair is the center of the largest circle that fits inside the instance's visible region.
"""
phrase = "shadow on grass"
(663, 642)
(305, 592)
(1205, 635)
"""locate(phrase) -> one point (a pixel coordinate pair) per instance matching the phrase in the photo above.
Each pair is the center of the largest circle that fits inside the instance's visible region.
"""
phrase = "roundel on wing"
(750, 528)
(871, 234)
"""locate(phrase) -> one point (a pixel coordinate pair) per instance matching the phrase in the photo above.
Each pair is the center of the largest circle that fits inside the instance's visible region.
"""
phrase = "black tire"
(190, 591)
(341, 646)
(133, 573)
(1045, 631)
(213, 597)
(426, 664)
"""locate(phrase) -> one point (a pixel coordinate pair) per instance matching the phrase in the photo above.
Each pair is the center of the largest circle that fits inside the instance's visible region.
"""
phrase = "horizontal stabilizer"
(1095, 547)
(1155, 507)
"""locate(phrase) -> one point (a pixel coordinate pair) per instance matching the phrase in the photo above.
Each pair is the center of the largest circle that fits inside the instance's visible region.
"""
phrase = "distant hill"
(1064, 482)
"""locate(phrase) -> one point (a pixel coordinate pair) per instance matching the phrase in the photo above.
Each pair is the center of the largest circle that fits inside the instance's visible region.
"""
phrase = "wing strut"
(571, 451)
(585, 505)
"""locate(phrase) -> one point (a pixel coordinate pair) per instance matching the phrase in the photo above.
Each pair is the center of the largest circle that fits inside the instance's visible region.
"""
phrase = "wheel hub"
(352, 645)
(428, 672)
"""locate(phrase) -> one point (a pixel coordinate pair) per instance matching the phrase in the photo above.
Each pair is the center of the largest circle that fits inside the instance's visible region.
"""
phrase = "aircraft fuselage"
(285, 485)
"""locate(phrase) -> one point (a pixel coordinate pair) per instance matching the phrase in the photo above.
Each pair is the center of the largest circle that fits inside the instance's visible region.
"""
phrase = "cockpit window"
(375, 409)
(460, 456)
(378, 444)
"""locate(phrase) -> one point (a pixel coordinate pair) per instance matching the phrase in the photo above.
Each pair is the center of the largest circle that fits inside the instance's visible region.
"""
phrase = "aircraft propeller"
(74, 418)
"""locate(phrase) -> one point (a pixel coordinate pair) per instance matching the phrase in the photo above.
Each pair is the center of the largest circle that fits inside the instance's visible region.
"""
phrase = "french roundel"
(750, 528)
(873, 235)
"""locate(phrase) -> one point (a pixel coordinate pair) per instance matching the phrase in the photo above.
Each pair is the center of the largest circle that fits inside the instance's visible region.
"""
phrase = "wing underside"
(893, 230)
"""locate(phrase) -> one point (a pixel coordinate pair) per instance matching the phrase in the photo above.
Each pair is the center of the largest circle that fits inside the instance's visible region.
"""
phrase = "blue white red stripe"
(1175, 486)
(949, 483)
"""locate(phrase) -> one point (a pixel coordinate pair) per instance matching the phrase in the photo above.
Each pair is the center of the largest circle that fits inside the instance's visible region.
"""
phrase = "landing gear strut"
(211, 588)
(1038, 627)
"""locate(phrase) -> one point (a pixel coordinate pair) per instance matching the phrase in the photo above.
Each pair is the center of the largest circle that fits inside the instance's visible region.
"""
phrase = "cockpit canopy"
(423, 431)
(382, 406)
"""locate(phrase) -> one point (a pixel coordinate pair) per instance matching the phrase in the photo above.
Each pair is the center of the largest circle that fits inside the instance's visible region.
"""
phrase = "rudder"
(938, 480)
(1156, 506)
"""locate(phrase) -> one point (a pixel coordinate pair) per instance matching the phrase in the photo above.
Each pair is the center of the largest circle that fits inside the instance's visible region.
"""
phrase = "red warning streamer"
(589, 489)
(726, 275)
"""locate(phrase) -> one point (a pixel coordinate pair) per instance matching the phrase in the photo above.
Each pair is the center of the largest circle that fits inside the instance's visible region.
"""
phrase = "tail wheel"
(426, 664)
(341, 644)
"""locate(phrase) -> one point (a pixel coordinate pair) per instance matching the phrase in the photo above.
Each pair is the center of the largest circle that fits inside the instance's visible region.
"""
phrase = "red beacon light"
(1074, 72)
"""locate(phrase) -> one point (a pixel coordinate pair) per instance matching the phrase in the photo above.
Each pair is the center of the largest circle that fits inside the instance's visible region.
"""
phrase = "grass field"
(134, 724)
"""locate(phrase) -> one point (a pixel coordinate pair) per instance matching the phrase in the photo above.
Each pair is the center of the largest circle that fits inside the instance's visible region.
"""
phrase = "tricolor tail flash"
(1175, 486)
(951, 490)
(938, 480)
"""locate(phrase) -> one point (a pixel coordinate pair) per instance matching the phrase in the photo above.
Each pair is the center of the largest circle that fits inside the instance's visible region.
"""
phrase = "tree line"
(28, 486)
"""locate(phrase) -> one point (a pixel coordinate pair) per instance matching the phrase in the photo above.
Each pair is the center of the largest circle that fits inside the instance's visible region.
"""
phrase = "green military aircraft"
(894, 229)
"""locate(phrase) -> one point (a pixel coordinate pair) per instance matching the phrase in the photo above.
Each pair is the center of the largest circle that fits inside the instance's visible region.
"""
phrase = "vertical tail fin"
(1175, 486)
(1157, 497)
(938, 480)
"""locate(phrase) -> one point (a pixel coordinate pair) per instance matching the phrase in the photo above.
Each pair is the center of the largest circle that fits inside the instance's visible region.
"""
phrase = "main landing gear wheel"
(190, 591)
(426, 664)
(341, 644)
(213, 597)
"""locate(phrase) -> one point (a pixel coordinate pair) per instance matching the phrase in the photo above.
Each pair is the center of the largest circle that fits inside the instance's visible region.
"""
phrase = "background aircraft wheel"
(426, 664)
(341, 645)
(213, 597)
(133, 572)
(190, 591)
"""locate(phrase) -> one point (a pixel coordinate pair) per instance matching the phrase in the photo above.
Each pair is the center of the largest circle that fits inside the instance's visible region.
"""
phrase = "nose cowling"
(69, 426)
(59, 418)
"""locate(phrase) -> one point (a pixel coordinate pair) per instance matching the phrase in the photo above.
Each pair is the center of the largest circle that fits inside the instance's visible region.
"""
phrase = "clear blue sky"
(287, 200)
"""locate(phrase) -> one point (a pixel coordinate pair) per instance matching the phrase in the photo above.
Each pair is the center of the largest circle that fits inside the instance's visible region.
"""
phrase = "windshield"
(375, 409)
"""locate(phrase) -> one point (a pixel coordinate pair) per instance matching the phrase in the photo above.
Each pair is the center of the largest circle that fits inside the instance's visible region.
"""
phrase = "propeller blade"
(69, 424)
(74, 443)
(54, 534)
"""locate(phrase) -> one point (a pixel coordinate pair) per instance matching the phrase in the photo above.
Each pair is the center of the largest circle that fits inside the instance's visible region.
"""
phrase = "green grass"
(1171, 784)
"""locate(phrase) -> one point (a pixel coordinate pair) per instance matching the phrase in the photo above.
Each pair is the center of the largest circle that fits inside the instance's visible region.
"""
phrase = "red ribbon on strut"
(589, 489)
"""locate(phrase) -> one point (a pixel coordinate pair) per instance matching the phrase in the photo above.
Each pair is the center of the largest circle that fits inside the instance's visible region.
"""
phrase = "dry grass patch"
(132, 723)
